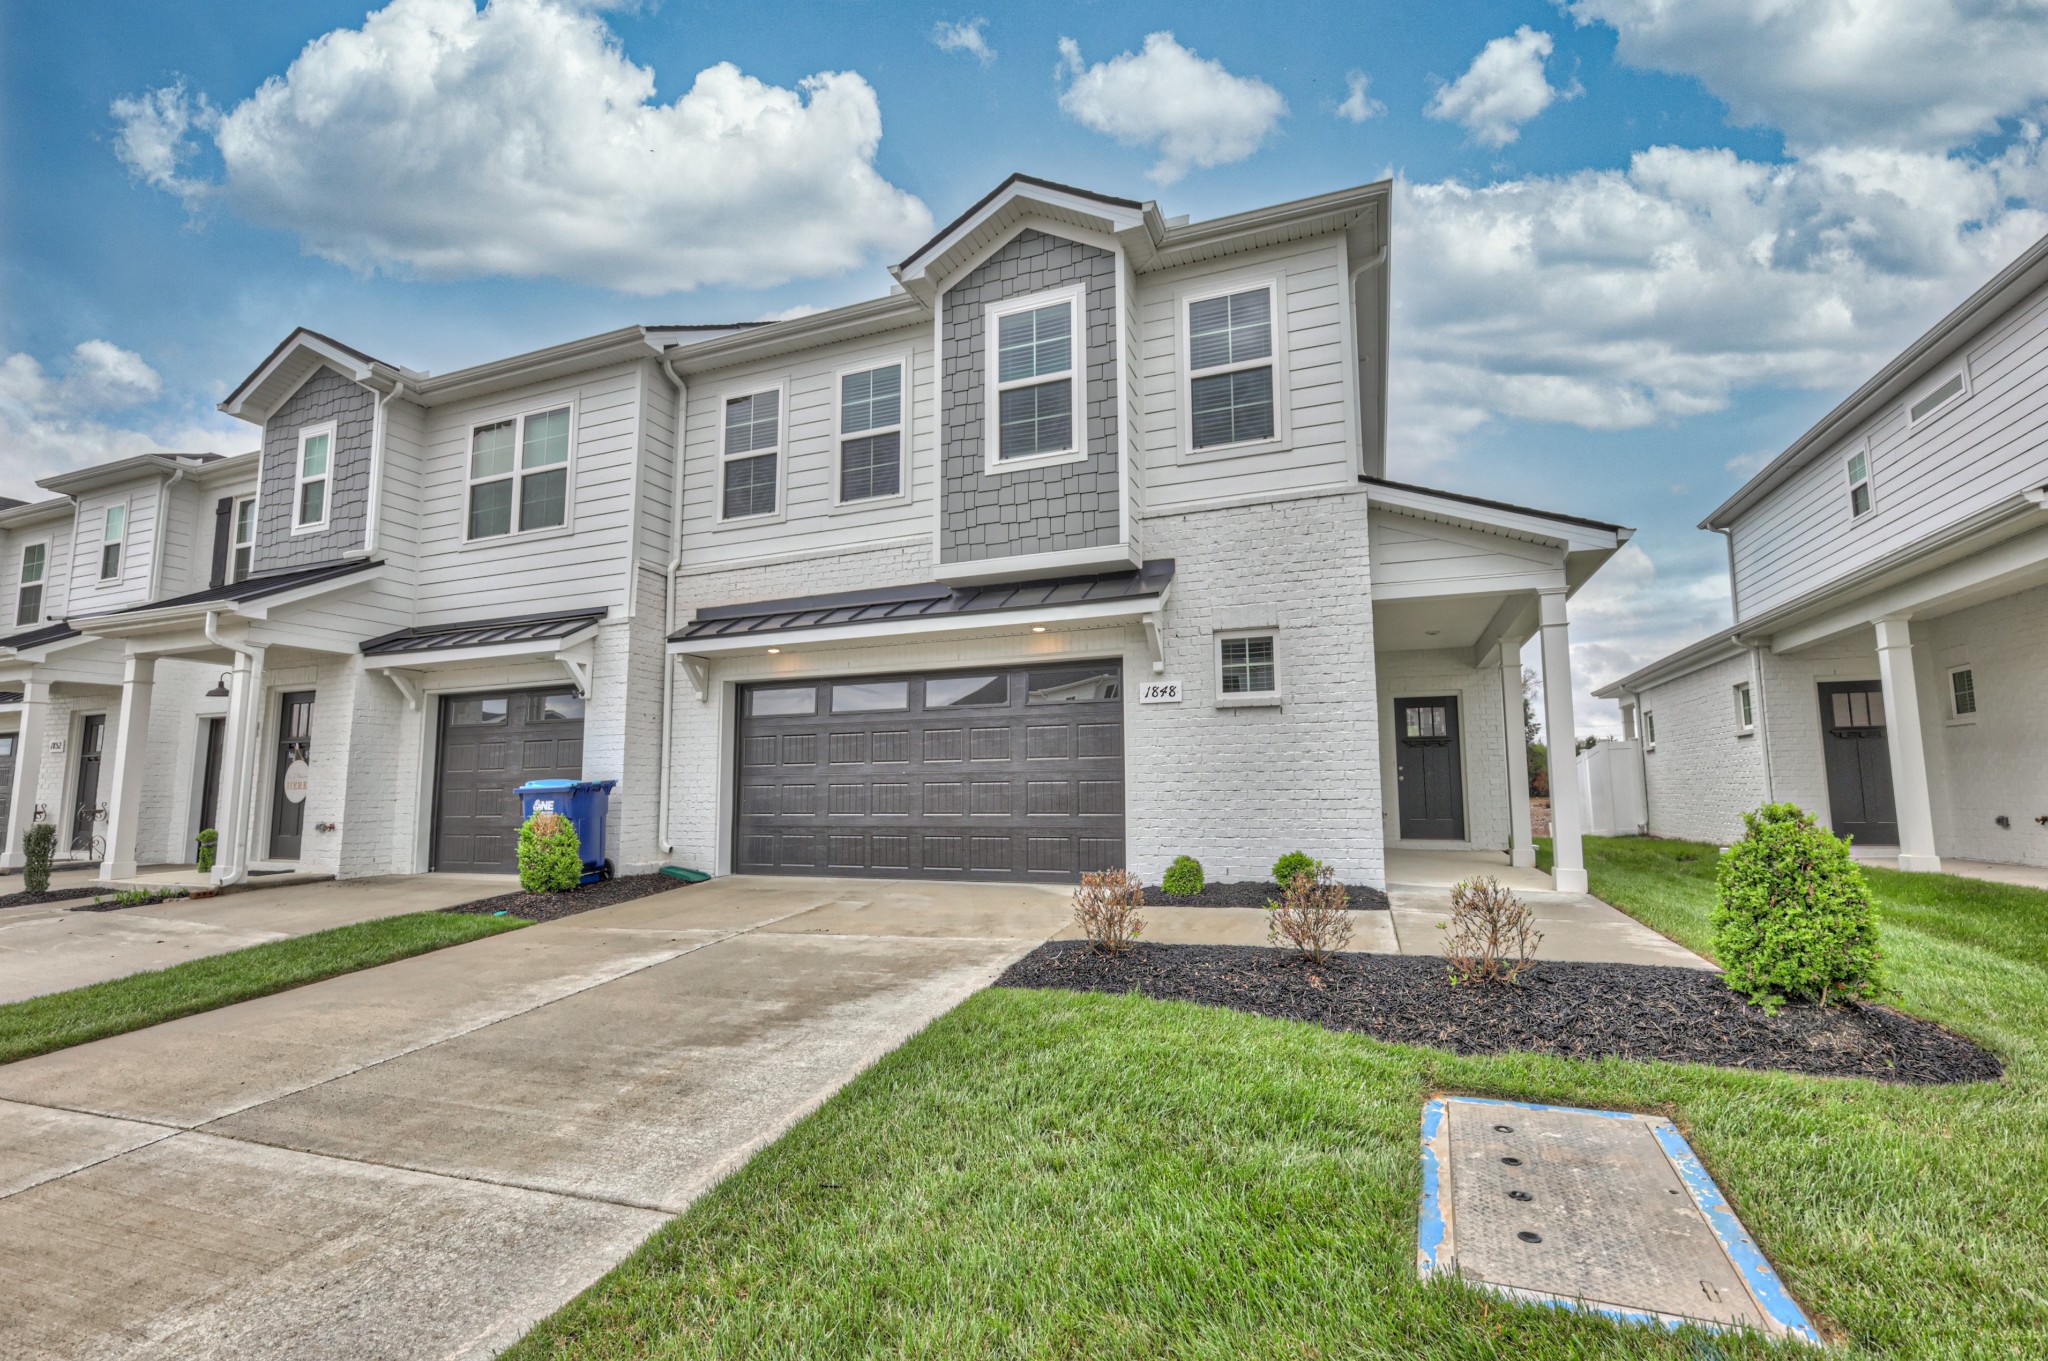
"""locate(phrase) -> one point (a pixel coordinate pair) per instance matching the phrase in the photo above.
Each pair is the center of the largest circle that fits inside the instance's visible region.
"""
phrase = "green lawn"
(62, 1019)
(1043, 1174)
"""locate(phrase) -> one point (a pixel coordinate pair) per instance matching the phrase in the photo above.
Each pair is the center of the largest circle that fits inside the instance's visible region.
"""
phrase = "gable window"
(309, 489)
(1745, 709)
(245, 538)
(871, 433)
(1230, 369)
(1859, 484)
(751, 461)
(1962, 693)
(28, 598)
(519, 474)
(1935, 400)
(112, 539)
(1032, 397)
(1247, 666)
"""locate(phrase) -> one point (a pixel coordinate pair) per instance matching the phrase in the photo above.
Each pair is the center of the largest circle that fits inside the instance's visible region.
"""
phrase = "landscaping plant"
(1793, 920)
(1106, 909)
(38, 848)
(550, 854)
(1291, 864)
(1312, 914)
(1183, 878)
(208, 840)
(1493, 936)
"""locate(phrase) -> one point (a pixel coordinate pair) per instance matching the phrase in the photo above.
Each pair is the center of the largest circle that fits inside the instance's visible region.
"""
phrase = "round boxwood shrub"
(550, 854)
(1291, 864)
(1183, 878)
(1793, 921)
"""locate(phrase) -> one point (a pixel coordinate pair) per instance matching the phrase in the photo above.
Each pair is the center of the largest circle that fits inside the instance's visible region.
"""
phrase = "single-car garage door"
(490, 745)
(998, 774)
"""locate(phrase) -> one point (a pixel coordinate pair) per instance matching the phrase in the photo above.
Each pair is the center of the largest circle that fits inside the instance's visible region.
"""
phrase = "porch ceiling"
(1443, 622)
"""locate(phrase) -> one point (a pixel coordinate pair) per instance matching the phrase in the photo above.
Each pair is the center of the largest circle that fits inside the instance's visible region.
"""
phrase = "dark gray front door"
(1008, 773)
(294, 743)
(7, 745)
(85, 813)
(1428, 769)
(1859, 762)
(209, 779)
(491, 744)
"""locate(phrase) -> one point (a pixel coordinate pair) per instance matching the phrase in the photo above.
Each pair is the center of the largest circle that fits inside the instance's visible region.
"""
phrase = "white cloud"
(1189, 108)
(1504, 88)
(51, 424)
(1920, 74)
(518, 140)
(966, 36)
(1358, 105)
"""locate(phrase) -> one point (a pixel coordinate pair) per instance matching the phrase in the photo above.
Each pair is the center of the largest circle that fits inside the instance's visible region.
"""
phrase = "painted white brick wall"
(1998, 764)
(1702, 775)
(1482, 739)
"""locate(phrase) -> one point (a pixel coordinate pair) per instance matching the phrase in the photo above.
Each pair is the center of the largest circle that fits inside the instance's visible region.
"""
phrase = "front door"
(86, 812)
(215, 730)
(1859, 762)
(1428, 769)
(288, 799)
(7, 741)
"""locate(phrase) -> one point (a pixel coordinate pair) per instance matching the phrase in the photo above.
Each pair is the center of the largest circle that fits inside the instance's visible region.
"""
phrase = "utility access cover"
(1599, 1210)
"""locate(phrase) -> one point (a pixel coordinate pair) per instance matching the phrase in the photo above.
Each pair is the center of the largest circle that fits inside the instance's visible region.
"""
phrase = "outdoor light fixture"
(220, 688)
(773, 650)
(1038, 628)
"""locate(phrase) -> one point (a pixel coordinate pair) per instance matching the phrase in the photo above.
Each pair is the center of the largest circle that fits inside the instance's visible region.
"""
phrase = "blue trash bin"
(583, 802)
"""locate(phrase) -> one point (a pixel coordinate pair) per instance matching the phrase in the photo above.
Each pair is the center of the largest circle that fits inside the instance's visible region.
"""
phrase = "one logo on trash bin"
(543, 805)
(297, 777)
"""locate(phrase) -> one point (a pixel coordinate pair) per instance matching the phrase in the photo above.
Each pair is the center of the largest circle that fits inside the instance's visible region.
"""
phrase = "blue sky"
(1637, 246)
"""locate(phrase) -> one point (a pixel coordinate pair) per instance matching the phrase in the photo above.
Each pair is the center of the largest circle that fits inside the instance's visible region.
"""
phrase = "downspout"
(242, 802)
(1642, 757)
(662, 839)
(373, 519)
(156, 545)
(1763, 719)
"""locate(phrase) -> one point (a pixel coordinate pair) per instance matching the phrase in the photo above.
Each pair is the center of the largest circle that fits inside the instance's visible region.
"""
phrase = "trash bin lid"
(550, 784)
(580, 785)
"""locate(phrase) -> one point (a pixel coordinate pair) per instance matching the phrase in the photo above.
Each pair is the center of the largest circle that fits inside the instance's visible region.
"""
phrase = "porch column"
(28, 761)
(1522, 855)
(131, 755)
(1907, 745)
(238, 768)
(1567, 853)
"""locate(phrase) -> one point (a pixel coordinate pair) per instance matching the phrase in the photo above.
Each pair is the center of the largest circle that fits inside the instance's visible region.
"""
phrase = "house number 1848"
(1159, 692)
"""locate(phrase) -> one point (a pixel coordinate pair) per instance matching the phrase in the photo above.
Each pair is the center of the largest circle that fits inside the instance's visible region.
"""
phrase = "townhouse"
(1077, 548)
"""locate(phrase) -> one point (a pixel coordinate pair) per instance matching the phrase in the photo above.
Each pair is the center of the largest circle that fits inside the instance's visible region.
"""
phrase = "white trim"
(331, 429)
(1109, 557)
(901, 362)
(1075, 296)
(1958, 373)
(100, 579)
(41, 582)
(988, 621)
(519, 474)
(235, 544)
(1184, 402)
(1948, 695)
(1251, 699)
(725, 396)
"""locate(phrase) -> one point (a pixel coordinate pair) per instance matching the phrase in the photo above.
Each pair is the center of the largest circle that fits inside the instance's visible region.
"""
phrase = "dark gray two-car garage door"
(1015, 773)
(492, 743)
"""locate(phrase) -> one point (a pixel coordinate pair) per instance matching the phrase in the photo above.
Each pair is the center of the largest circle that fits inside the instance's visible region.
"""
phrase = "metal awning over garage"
(563, 636)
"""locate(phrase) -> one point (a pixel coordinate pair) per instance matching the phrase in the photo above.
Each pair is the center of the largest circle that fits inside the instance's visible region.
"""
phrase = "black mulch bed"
(1256, 895)
(24, 898)
(546, 907)
(1580, 1011)
(113, 904)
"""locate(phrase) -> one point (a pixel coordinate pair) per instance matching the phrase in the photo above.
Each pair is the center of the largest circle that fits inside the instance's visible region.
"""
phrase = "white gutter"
(662, 839)
(380, 432)
(242, 795)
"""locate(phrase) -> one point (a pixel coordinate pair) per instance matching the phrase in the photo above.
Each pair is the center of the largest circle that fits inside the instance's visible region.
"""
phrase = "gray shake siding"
(1043, 510)
(326, 396)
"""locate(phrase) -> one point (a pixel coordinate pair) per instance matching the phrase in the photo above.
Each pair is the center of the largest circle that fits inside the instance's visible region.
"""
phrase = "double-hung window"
(750, 477)
(1230, 369)
(871, 433)
(519, 474)
(1034, 389)
(245, 538)
(28, 597)
(1859, 484)
(113, 537)
(309, 489)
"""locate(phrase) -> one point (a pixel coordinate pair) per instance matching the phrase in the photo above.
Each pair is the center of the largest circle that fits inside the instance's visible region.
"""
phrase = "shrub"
(1793, 920)
(1290, 865)
(1183, 878)
(1493, 936)
(1106, 909)
(38, 849)
(1311, 915)
(550, 855)
(208, 840)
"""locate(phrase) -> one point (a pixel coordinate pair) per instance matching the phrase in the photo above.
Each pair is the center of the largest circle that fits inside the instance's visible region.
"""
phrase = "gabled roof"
(519, 628)
(292, 362)
(1494, 505)
(105, 474)
(247, 589)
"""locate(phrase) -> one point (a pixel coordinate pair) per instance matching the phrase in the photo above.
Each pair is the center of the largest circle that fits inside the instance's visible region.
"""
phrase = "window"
(1649, 731)
(753, 456)
(1073, 685)
(309, 491)
(245, 538)
(1247, 665)
(871, 433)
(482, 710)
(1962, 693)
(28, 599)
(1934, 401)
(784, 703)
(1032, 397)
(111, 541)
(871, 697)
(1426, 720)
(1859, 484)
(1745, 709)
(561, 708)
(1230, 369)
(519, 473)
(963, 692)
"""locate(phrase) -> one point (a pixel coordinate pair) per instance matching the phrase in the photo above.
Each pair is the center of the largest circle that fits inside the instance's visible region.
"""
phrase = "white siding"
(1426, 558)
(56, 533)
(657, 465)
(88, 594)
(399, 507)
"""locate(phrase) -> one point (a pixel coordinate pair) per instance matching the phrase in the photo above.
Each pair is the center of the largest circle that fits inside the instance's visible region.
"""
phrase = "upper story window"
(28, 597)
(1230, 369)
(1859, 484)
(871, 433)
(519, 474)
(750, 459)
(245, 539)
(309, 490)
(112, 539)
(1033, 376)
(1954, 386)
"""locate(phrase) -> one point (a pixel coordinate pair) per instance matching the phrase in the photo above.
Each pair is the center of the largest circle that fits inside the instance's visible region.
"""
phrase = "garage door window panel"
(870, 697)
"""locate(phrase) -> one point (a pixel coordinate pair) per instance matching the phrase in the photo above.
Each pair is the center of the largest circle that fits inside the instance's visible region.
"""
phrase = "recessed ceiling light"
(773, 650)
(1038, 628)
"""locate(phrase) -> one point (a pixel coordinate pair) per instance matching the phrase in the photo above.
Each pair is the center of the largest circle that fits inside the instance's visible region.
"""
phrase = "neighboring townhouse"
(1890, 580)
(1076, 549)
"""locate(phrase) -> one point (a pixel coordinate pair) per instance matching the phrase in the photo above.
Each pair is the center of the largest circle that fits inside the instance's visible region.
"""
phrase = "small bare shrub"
(1493, 934)
(1106, 909)
(1312, 914)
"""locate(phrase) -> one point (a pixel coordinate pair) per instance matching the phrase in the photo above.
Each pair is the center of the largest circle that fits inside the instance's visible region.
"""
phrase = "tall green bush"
(550, 854)
(38, 849)
(1794, 921)
(209, 844)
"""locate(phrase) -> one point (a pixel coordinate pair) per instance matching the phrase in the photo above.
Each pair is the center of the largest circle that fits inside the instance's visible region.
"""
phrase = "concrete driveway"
(50, 947)
(420, 1160)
